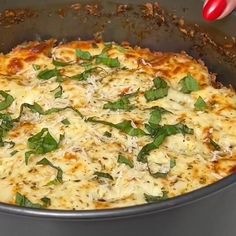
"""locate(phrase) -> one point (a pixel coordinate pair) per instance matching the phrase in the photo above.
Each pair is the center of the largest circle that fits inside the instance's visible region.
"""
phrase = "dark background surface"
(211, 216)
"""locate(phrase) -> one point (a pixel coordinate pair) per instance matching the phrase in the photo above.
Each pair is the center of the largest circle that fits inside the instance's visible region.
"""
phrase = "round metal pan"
(207, 211)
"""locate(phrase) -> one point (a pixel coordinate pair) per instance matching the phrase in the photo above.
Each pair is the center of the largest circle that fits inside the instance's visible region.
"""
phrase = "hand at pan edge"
(218, 9)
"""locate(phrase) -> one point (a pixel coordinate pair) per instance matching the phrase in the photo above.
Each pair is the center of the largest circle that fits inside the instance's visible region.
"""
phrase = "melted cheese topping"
(85, 149)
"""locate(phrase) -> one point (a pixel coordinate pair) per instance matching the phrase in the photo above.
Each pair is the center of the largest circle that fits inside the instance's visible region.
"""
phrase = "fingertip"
(213, 9)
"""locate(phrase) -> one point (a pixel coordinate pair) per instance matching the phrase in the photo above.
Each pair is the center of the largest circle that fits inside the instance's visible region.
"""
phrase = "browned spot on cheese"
(70, 156)
(102, 205)
(22, 128)
(15, 65)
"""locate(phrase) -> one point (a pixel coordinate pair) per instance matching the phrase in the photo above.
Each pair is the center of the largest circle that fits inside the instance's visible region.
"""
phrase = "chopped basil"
(121, 104)
(160, 90)
(124, 160)
(8, 100)
(5, 127)
(84, 55)
(65, 122)
(22, 200)
(189, 84)
(200, 104)
(36, 108)
(48, 74)
(84, 75)
(60, 63)
(124, 126)
(160, 83)
(103, 175)
(36, 67)
(13, 152)
(58, 179)
(107, 61)
(215, 145)
(155, 118)
(41, 143)
(58, 91)
(151, 199)
(154, 94)
(107, 47)
(46, 202)
(172, 163)
(107, 134)
(160, 134)
(144, 152)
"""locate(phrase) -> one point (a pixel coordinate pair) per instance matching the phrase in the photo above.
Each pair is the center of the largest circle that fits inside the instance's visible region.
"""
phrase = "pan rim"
(124, 212)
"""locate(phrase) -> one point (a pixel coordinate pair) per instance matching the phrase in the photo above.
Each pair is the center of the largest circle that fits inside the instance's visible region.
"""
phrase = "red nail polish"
(214, 9)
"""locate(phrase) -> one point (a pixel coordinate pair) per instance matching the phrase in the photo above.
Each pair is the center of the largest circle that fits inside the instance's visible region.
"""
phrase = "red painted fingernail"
(214, 9)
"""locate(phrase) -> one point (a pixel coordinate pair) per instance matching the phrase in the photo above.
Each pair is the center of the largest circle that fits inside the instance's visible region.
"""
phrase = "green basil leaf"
(13, 152)
(48, 74)
(41, 143)
(58, 91)
(65, 122)
(189, 84)
(121, 104)
(200, 104)
(36, 108)
(60, 63)
(124, 160)
(107, 61)
(127, 128)
(155, 94)
(46, 202)
(8, 100)
(107, 47)
(160, 83)
(161, 132)
(151, 199)
(58, 179)
(107, 134)
(155, 118)
(103, 175)
(144, 152)
(84, 55)
(84, 75)
(36, 67)
(21, 200)
(124, 126)
(215, 145)
(172, 163)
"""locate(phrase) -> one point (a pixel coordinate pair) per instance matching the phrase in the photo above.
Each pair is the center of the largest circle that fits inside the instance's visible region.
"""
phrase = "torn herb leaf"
(22, 200)
(58, 179)
(65, 122)
(189, 84)
(103, 175)
(160, 83)
(8, 100)
(155, 94)
(13, 152)
(84, 55)
(124, 160)
(46, 202)
(107, 61)
(107, 134)
(60, 63)
(48, 74)
(151, 198)
(84, 75)
(160, 134)
(124, 126)
(41, 143)
(200, 104)
(58, 91)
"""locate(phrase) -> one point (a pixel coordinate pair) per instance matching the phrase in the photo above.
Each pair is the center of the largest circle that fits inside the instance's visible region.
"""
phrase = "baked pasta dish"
(93, 125)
